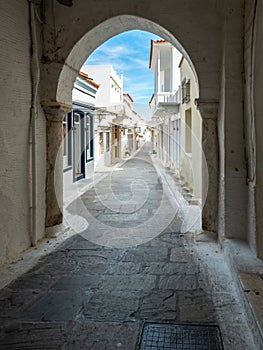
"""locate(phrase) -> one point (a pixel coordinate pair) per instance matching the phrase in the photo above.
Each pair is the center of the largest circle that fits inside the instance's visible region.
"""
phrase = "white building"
(135, 125)
(109, 114)
(164, 60)
(78, 132)
(128, 136)
(177, 139)
(110, 95)
(191, 132)
(116, 121)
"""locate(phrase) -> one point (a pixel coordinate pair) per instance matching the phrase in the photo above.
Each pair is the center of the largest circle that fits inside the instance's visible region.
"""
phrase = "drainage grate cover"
(180, 337)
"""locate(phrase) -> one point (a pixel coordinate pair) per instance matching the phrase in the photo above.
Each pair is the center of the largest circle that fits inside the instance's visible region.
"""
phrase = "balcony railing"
(164, 99)
(117, 108)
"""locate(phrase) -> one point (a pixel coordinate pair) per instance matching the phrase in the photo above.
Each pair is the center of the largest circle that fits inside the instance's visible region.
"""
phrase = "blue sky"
(129, 53)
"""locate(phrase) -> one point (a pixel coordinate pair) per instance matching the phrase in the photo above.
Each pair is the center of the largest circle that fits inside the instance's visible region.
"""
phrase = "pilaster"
(208, 109)
(54, 113)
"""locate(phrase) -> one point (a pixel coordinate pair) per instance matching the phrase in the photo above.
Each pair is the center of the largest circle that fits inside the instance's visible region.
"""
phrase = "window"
(66, 127)
(107, 141)
(65, 138)
(188, 131)
(76, 118)
(101, 143)
(116, 132)
(89, 137)
(185, 91)
(78, 144)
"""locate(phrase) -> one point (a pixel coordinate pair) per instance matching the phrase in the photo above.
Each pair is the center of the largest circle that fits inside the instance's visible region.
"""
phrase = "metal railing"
(164, 97)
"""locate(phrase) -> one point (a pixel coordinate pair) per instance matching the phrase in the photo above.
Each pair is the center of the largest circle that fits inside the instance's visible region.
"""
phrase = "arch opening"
(104, 31)
(97, 36)
(189, 175)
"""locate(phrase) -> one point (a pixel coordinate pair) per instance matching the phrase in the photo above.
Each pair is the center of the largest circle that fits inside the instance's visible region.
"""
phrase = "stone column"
(54, 171)
(209, 109)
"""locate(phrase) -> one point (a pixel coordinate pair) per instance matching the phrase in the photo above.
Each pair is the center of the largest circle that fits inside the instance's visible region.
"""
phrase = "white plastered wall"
(233, 170)
(191, 164)
(15, 102)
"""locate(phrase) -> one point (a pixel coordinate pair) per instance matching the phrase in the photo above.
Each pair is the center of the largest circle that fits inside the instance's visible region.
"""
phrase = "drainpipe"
(35, 79)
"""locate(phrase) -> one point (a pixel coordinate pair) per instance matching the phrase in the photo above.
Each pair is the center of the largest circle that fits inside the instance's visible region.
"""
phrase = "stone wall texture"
(15, 101)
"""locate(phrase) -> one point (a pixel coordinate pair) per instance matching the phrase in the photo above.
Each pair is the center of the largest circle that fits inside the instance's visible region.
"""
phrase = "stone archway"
(61, 76)
(98, 35)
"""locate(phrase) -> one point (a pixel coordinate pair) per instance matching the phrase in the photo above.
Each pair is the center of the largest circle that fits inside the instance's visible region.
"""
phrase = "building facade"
(115, 120)
(164, 103)
(191, 132)
(78, 132)
(109, 114)
(177, 121)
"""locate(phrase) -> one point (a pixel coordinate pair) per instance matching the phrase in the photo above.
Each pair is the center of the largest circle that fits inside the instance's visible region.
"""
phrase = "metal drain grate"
(180, 337)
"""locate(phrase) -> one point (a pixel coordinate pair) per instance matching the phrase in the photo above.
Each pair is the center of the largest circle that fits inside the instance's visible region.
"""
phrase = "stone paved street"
(99, 286)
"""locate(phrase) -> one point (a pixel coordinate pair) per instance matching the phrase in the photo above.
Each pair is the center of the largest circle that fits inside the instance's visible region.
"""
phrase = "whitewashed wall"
(15, 102)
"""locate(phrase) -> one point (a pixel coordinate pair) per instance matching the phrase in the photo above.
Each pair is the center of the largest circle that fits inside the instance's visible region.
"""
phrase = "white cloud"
(129, 53)
(142, 97)
(140, 62)
(118, 50)
(138, 87)
(110, 53)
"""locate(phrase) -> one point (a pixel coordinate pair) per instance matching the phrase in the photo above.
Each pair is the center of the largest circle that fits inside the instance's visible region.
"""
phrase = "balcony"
(117, 109)
(165, 102)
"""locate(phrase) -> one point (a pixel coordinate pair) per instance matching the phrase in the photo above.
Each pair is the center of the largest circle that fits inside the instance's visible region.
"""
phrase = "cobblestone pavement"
(96, 293)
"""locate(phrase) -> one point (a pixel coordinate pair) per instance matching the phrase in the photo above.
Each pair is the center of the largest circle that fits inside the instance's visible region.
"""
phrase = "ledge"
(55, 231)
(247, 271)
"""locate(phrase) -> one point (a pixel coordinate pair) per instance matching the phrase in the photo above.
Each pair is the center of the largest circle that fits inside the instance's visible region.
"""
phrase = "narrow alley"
(129, 270)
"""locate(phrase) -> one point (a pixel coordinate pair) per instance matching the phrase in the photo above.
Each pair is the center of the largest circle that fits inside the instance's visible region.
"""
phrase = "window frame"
(188, 132)
(67, 141)
(89, 149)
(186, 91)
